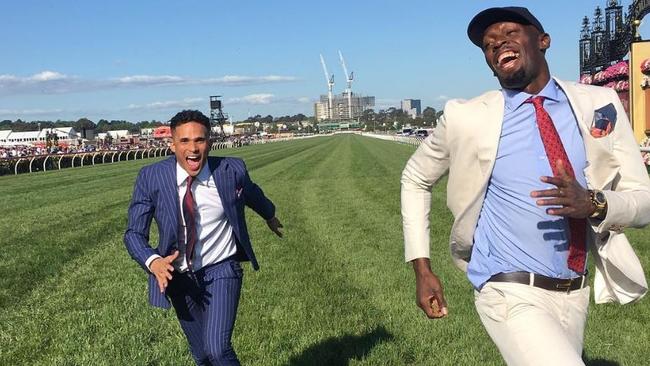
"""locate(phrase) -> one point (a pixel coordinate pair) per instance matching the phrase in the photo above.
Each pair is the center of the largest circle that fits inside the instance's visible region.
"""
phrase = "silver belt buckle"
(564, 285)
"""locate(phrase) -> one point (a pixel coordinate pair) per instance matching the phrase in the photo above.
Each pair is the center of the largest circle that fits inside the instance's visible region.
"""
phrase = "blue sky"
(143, 60)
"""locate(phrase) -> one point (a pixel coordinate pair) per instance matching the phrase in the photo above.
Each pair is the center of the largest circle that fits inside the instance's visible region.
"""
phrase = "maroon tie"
(190, 222)
(555, 151)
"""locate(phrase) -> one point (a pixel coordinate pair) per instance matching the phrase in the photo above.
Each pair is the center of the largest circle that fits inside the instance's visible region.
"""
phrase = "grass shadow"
(337, 351)
(597, 361)
(600, 362)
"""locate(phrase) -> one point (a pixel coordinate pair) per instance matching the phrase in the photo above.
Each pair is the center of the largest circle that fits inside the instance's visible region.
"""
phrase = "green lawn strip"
(38, 248)
(374, 202)
(67, 185)
(603, 341)
(65, 201)
(260, 155)
(51, 181)
(94, 311)
(302, 294)
(618, 333)
(140, 339)
(334, 291)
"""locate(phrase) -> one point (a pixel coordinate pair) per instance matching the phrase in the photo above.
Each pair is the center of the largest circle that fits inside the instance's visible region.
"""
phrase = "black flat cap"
(487, 17)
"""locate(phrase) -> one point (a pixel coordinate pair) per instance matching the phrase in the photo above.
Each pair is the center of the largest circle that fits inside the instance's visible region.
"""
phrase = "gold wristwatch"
(599, 200)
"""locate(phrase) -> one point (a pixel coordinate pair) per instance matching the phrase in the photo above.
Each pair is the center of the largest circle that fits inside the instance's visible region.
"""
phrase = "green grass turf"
(334, 291)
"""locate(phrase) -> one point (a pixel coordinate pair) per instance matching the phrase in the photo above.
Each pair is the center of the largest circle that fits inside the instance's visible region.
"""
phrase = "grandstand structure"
(607, 38)
(64, 135)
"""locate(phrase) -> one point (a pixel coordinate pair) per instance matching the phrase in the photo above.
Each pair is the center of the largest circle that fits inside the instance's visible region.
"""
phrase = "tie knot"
(190, 180)
(538, 101)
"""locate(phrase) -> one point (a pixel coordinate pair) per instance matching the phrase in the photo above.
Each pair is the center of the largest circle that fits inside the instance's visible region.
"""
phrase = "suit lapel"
(224, 180)
(602, 166)
(490, 122)
(170, 194)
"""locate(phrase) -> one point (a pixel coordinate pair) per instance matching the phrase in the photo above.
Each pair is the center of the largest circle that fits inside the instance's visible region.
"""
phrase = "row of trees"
(371, 120)
(384, 118)
(396, 118)
(296, 118)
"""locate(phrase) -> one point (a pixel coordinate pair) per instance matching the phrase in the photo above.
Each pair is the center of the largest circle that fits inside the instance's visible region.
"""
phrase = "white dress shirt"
(215, 237)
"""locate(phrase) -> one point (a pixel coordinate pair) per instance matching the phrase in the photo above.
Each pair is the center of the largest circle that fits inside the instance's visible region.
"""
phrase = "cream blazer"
(464, 145)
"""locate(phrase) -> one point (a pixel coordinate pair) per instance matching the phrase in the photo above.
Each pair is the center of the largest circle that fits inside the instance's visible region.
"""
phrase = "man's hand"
(162, 268)
(429, 292)
(570, 198)
(275, 225)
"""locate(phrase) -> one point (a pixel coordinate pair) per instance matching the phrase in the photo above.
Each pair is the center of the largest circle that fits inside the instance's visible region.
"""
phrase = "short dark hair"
(189, 115)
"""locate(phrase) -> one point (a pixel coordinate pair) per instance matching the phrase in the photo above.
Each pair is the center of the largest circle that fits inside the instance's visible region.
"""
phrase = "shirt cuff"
(151, 259)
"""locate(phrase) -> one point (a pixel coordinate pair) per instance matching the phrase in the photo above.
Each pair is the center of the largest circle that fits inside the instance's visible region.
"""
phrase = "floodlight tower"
(216, 112)
(348, 90)
(330, 85)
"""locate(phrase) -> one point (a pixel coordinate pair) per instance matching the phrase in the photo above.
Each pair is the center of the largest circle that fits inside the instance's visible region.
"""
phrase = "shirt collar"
(202, 177)
(515, 98)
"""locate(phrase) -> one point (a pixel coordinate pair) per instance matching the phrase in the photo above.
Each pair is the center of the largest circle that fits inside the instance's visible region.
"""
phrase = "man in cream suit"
(539, 173)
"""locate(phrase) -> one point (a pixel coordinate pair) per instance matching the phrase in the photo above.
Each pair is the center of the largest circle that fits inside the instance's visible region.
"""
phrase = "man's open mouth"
(193, 161)
(507, 59)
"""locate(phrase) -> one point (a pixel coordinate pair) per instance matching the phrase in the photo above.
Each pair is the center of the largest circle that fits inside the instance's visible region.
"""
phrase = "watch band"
(599, 200)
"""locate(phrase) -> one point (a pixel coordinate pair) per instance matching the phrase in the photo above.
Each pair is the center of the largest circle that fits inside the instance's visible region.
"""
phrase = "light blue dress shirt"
(514, 233)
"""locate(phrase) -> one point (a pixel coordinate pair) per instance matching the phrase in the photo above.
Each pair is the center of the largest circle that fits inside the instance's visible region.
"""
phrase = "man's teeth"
(507, 56)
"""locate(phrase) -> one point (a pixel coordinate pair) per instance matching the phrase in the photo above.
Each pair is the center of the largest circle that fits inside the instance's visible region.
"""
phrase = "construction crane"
(330, 85)
(348, 89)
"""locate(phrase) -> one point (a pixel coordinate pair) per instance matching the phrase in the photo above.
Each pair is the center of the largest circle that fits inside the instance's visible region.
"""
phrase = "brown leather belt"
(547, 283)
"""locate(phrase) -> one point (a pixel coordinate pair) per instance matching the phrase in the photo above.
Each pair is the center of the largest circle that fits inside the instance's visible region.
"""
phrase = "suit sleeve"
(141, 210)
(254, 196)
(628, 201)
(429, 162)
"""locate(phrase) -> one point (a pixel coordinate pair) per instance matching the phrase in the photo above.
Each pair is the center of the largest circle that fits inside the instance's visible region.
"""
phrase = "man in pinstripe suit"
(198, 204)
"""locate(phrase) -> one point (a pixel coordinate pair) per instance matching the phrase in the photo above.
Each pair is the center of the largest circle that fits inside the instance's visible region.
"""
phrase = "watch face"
(599, 196)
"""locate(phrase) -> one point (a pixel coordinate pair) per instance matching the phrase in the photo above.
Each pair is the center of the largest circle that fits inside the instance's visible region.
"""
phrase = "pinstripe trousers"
(206, 306)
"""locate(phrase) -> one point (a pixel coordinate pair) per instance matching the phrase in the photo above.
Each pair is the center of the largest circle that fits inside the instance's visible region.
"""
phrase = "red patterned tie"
(554, 152)
(190, 222)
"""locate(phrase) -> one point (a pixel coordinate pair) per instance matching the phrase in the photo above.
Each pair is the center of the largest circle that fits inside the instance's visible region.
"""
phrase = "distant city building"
(412, 107)
(341, 105)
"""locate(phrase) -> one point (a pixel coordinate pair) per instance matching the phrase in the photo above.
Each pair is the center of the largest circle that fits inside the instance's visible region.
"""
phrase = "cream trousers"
(533, 326)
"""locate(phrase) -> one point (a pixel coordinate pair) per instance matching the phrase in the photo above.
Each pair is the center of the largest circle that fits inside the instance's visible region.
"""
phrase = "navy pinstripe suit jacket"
(155, 196)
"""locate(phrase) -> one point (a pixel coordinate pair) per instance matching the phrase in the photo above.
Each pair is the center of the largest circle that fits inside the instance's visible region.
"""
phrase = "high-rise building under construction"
(344, 108)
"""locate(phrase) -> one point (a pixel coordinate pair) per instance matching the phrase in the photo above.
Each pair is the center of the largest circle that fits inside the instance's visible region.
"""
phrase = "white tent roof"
(24, 135)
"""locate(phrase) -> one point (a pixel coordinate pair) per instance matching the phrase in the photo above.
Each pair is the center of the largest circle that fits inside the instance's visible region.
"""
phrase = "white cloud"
(442, 97)
(47, 76)
(169, 104)
(28, 112)
(266, 98)
(144, 80)
(263, 98)
(238, 80)
(52, 82)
